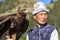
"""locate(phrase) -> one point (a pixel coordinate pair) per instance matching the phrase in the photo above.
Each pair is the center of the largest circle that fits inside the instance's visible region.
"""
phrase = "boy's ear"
(34, 17)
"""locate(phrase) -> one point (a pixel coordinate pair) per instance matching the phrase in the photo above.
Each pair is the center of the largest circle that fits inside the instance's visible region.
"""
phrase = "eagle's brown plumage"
(13, 24)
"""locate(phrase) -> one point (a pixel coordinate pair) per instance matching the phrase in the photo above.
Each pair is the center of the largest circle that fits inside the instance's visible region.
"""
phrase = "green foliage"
(8, 5)
(54, 17)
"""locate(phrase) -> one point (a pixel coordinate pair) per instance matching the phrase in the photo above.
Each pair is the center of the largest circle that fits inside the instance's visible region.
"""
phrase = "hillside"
(10, 6)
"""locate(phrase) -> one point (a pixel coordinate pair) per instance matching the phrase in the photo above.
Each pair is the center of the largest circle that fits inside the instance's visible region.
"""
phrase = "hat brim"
(36, 11)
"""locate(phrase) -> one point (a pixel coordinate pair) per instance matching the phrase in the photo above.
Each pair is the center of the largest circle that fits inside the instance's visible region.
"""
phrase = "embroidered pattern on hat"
(36, 6)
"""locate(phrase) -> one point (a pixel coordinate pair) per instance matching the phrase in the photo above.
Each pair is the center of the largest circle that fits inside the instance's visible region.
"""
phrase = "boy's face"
(41, 17)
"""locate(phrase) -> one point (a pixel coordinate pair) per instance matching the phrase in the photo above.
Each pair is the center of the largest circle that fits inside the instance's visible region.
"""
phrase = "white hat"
(39, 6)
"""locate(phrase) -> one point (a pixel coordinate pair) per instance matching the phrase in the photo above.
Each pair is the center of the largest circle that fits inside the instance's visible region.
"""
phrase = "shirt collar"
(41, 25)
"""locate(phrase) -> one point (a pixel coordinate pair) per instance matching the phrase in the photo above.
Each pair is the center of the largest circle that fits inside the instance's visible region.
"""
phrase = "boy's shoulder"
(52, 27)
(29, 31)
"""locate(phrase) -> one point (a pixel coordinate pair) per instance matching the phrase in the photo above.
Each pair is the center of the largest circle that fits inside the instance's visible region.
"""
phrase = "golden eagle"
(13, 25)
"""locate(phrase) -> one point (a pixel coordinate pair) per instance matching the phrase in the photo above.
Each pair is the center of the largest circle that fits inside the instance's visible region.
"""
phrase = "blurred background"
(10, 6)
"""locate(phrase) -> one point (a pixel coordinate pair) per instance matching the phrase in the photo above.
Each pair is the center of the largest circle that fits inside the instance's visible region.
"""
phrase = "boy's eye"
(41, 14)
